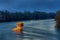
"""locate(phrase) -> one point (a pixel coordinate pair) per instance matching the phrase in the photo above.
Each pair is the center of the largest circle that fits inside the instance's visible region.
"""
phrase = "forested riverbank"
(26, 15)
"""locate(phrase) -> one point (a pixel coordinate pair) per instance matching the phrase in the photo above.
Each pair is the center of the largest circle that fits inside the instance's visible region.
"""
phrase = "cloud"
(29, 4)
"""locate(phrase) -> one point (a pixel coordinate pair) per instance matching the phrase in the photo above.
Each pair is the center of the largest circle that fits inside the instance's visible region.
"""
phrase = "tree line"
(17, 16)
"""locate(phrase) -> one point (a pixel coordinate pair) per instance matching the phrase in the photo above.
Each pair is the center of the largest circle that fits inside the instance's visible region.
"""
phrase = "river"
(32, 30)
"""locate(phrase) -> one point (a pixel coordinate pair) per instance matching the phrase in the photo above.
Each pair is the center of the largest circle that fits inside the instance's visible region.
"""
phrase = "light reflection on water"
(32, 30)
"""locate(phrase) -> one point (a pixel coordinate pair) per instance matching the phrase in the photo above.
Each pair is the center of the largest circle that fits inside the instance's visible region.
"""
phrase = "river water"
(32, 30)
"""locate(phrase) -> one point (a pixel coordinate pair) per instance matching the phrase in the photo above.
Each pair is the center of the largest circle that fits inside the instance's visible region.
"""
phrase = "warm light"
(19, 24)
(19, 27)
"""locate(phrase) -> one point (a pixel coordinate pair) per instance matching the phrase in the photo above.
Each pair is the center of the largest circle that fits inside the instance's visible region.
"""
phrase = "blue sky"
(30, 5)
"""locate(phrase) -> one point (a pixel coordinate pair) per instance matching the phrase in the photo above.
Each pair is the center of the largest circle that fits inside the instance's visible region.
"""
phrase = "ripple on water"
(32, 30)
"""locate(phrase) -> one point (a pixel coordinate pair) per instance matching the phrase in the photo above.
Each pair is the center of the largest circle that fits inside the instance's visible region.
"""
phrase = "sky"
(30, 5)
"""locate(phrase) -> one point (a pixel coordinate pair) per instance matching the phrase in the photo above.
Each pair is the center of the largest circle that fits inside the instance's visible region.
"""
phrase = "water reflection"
(2, 36)
(31, 32)
(20, 36)
(58, 33)
(35, 33)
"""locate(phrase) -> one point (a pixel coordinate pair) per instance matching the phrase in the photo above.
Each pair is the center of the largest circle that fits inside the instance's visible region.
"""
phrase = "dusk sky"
(30, 5)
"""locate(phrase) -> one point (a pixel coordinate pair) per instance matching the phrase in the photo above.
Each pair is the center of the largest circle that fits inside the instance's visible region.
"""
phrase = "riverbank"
(24, 20)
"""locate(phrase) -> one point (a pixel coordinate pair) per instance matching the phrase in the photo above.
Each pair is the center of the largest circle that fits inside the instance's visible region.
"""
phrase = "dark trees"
(10, 16)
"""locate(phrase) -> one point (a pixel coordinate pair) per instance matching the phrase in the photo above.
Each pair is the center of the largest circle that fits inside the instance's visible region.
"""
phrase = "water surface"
(32, 30)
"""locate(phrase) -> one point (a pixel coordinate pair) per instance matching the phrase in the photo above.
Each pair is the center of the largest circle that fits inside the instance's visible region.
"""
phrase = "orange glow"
(19, 27)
